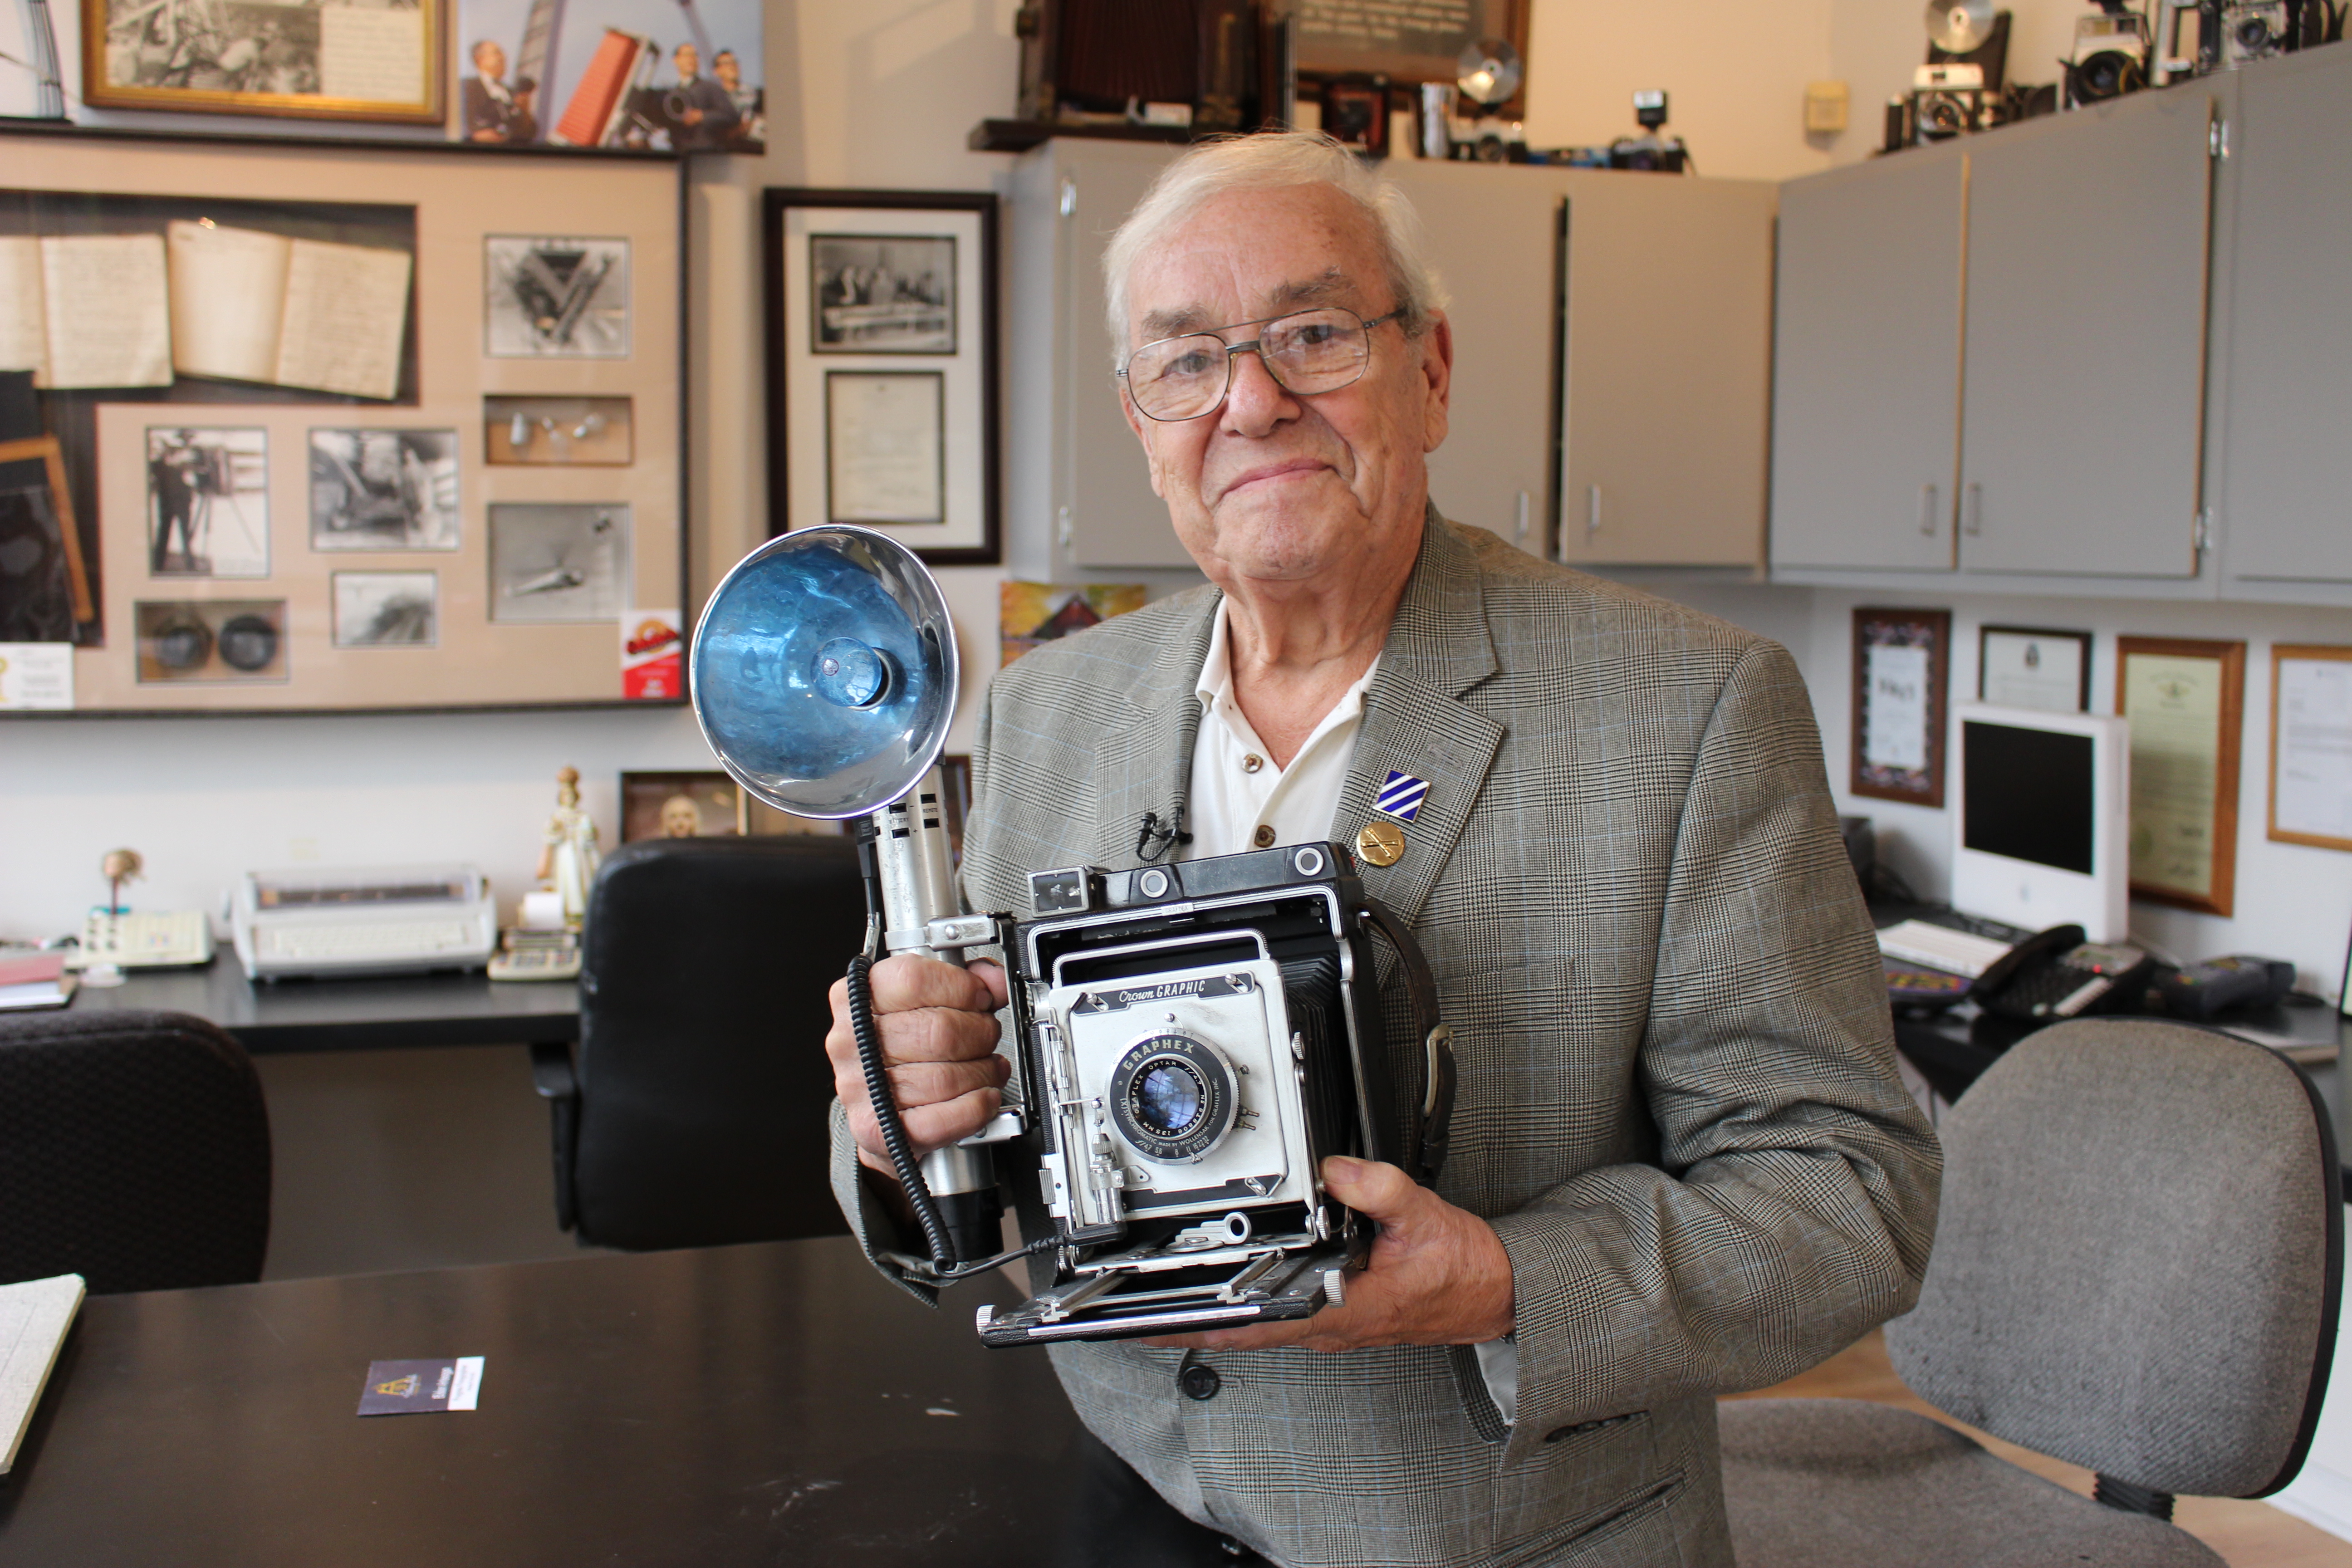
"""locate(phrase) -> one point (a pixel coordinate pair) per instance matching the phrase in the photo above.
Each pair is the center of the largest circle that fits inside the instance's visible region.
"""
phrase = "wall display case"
(282, 417)
(882, 387)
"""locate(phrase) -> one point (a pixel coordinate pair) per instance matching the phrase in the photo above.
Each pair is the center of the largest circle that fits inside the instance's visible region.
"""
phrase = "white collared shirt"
(1239, 796)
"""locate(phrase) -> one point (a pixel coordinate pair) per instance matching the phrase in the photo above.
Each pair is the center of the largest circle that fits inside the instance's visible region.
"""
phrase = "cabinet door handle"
(1591, 510)
(1972, 522)
(1927, 511)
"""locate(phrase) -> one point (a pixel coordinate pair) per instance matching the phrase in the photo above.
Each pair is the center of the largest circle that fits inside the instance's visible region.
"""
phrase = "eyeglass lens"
(1185, 377)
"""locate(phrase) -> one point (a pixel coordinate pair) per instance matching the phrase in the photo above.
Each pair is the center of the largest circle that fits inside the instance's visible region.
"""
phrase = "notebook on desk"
(34, 1318)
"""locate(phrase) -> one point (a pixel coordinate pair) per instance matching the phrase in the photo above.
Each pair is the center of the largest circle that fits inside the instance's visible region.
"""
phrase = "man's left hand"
(1438, 1275)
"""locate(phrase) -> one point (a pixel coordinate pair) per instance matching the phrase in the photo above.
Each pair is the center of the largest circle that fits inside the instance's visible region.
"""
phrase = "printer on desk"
(395, 920)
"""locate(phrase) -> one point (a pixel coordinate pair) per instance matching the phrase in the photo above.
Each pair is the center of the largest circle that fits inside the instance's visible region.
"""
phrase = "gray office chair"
(134, 1152)
(2137, 1271)
(695, 1114)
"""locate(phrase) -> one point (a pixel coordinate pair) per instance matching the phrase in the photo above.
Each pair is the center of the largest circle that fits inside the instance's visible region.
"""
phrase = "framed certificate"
(2186, 702)
(2311, 745)
(1901, 662)
(2023, 666)
(881, 325)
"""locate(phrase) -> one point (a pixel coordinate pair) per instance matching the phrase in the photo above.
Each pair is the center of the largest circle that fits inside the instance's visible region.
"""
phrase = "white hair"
(1272, 160)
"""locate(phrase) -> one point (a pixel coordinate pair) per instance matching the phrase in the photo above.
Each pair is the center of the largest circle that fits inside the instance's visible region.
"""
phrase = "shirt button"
(1252, 762)
(1263, 836)
(1200, 1382)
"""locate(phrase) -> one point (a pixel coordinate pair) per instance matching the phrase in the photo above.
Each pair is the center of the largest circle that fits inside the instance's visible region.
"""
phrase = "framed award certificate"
(2186, 702)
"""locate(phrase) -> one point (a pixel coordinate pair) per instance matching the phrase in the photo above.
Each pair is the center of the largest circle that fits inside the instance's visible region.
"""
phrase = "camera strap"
(1430, 1131)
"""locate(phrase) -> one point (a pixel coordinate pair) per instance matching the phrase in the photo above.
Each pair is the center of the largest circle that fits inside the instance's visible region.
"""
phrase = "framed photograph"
(559, 561)
(207, 502)
(387, 609)
(44, 589)
(211, 640)
(2025, 667)
(1404, 43)
(558, 432)
(333, 59)
(881, 322)
(2186, 702)
(2311, 745)
(678, 805)
(555, 298)
(1902, 660)
(882, 293)
(886, 446)
(383, 489)
(640, 84)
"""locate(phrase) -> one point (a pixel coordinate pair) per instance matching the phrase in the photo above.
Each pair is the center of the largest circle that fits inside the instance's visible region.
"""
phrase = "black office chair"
(134, 1152)
(696, 1113)
(2137, 1271)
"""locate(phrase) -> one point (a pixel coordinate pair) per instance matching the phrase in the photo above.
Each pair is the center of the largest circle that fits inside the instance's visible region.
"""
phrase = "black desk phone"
(2056, 974)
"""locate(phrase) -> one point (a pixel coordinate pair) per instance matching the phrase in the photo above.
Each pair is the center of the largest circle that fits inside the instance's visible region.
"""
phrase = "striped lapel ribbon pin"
(1401, 797)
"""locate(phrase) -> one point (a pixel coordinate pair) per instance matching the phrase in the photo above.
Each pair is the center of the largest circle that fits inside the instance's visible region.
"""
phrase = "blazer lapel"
(1416, 724)
(1145, 765)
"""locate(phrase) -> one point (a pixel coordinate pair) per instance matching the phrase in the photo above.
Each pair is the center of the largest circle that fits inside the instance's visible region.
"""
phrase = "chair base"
(1844, 1483)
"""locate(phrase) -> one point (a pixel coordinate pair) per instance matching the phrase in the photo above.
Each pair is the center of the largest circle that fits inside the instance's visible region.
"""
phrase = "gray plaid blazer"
(1678, 1104)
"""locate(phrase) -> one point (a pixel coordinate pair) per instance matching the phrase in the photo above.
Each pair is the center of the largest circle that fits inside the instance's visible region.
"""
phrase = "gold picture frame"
(2185, 701)
(333, 60)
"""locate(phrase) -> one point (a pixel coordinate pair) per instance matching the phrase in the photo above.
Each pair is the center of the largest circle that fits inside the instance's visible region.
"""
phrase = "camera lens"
(1168, 1098)
(1173, 1098)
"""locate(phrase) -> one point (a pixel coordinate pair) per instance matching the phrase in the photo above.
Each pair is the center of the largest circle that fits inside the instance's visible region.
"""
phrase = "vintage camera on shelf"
(1650, 152)
(1196, 1037)
(2254, 32)
(1949, 100)
(2110, 56)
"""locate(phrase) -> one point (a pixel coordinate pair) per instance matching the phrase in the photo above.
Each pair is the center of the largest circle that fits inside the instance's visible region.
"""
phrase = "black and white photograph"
(207, 502)
(387, 609)
(559, 561)
(555, 298)
(383, 489)
(331, 59)
(882, 293)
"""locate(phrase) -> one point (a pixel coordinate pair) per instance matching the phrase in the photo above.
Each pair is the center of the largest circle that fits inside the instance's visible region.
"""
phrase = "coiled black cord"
(885, 1114)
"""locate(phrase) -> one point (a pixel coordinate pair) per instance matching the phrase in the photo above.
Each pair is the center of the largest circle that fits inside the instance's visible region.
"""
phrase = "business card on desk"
(413, 1387)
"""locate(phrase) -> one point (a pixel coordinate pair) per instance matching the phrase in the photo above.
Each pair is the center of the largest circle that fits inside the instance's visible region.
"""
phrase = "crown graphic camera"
(1188, 1040)
(1196, 1037)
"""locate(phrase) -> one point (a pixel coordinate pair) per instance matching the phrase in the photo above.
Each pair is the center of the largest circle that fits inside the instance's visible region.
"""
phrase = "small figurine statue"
(120, 866)
(681, 818)
(570, 857)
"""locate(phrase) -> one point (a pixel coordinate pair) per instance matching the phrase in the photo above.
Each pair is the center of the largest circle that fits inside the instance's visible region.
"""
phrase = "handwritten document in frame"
(2311, 745)
(2185, 703)
(1901, 659)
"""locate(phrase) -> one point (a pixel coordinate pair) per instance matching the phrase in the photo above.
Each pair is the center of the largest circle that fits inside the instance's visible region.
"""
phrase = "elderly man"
(1682, 1162)
(702, 114)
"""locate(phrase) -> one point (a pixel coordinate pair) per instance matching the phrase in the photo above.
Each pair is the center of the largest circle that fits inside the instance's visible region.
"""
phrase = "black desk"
(775, 1403)
(351, 1015)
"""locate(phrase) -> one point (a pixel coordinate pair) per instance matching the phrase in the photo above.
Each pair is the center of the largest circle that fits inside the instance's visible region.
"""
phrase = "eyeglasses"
(1306, 351)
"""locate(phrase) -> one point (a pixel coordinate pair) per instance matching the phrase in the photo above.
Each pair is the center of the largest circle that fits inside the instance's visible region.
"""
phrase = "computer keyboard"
(1940, 947)
(355, 941)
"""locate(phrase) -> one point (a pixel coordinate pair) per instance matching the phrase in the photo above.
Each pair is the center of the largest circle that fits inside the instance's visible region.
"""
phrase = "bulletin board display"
(482, 506)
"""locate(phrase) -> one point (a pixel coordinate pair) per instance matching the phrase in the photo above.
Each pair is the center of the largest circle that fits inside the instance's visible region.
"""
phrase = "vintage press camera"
(1189, 1040)
(1196, 1037)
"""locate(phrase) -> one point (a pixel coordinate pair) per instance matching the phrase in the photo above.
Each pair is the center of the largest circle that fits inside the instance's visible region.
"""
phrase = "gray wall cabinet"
(2284, 505)
(1866, 385)
(2030, 407)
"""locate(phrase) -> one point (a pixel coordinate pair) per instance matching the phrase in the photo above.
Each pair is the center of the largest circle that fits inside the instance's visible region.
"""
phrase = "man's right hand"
(937, 1024)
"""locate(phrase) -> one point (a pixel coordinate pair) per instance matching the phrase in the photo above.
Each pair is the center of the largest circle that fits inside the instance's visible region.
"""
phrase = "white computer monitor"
(2042, 818)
